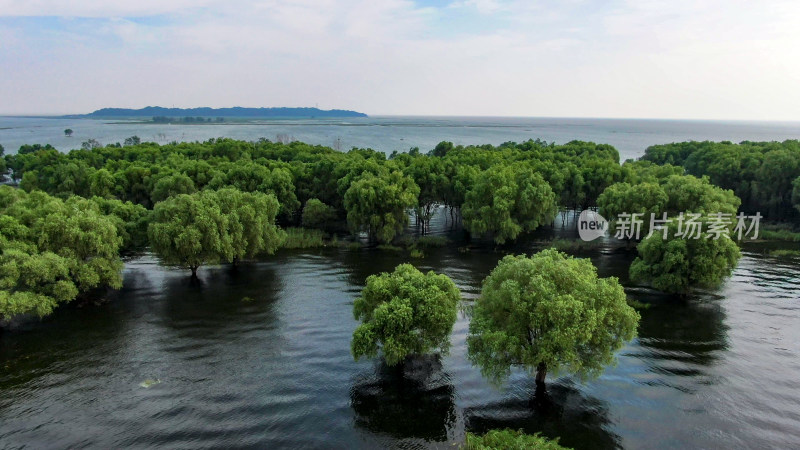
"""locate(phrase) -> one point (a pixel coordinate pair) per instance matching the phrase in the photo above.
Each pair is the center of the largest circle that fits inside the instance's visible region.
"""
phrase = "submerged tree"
(548, 312)
(677, 264)
(507, 201)
(404, 313)
(210, 227)
(378, 204)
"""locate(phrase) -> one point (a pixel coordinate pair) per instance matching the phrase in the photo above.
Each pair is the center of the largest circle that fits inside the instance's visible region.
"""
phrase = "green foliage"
(675, 265)
(506, 201)
(317, 214)
(548, 309)
(404, 313)
(214, 226)
(795, 192)
(172, 185)
(760, 173)
(417, 253)
(68, 132)
(303, 238)
(378, 204)
(51, 251)
(131, 221)
(510, 440)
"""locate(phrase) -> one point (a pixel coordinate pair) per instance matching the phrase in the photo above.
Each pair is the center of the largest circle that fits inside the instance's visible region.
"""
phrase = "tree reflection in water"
(558, 410)
(414, 401)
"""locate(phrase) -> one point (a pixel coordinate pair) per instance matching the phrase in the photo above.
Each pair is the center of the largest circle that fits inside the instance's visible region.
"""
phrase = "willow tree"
(190, 231)
(548, 312)
(53, 251)
(506, 201)
(251, 222)
(676, 265)
(378, 204)
(404, 313)
(210, 227)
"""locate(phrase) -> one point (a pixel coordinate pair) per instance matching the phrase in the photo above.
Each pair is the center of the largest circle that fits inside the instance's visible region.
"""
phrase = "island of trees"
(224, 201)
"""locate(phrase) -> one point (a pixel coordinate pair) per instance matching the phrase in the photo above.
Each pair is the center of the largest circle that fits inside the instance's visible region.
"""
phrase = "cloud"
(642, 58)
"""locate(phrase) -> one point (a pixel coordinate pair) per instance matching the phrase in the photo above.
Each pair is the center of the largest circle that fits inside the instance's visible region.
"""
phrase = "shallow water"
(274, 370)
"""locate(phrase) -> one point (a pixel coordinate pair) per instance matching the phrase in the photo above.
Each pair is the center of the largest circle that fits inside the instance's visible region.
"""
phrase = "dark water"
(721, 370)
(386, 134)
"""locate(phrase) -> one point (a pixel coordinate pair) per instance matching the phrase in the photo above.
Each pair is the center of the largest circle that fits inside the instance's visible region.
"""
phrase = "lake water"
(274, 371)
(168, 363)
(386, 134)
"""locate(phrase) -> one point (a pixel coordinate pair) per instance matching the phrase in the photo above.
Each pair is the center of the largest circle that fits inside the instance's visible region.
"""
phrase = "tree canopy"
(404, 313)
(676, 265)
(548, 312)
(52, 251)
(208, 227)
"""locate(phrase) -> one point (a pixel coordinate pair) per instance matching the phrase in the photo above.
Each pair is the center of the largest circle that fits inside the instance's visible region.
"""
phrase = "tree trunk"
(541, 373)
(194, 271)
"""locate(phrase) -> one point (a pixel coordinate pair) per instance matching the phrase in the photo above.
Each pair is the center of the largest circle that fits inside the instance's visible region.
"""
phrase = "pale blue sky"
(717, 59)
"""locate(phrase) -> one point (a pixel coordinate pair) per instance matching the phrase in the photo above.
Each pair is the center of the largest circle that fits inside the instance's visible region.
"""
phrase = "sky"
(681, 59)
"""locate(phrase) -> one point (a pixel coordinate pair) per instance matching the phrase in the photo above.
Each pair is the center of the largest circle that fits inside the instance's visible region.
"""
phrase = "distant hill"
(238, 112)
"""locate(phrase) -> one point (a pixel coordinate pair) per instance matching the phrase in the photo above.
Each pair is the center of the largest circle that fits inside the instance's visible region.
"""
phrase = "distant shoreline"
(215, 113)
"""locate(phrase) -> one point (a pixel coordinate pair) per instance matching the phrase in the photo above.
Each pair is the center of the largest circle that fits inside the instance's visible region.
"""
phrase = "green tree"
(507, 201)
(209, 227)
(510, 440)
(317, 214)
(676, 265)
(190, 231)
(404, 313)
(133, 140)
(172, 185)
(68, 132)
(251, 222)
(548, 312)
(91, 144)
(378, 204)
(102, 183)
(52, 251)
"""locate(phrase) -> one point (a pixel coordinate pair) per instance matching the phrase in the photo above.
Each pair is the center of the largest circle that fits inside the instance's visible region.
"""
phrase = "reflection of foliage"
(510, 440)
(561, 411)
(403, 407)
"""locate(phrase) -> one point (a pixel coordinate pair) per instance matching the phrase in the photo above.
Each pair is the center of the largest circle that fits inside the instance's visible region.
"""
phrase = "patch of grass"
(390, 248)
(573, 245)
(432, 241)
(779, 235)
(353, 245)
(247, 299)
(417, 253)
(303, 238)
(784, 252)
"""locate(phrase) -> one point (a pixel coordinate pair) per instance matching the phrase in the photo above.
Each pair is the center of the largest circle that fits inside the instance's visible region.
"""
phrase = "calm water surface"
(386, 134)
(721, 370)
